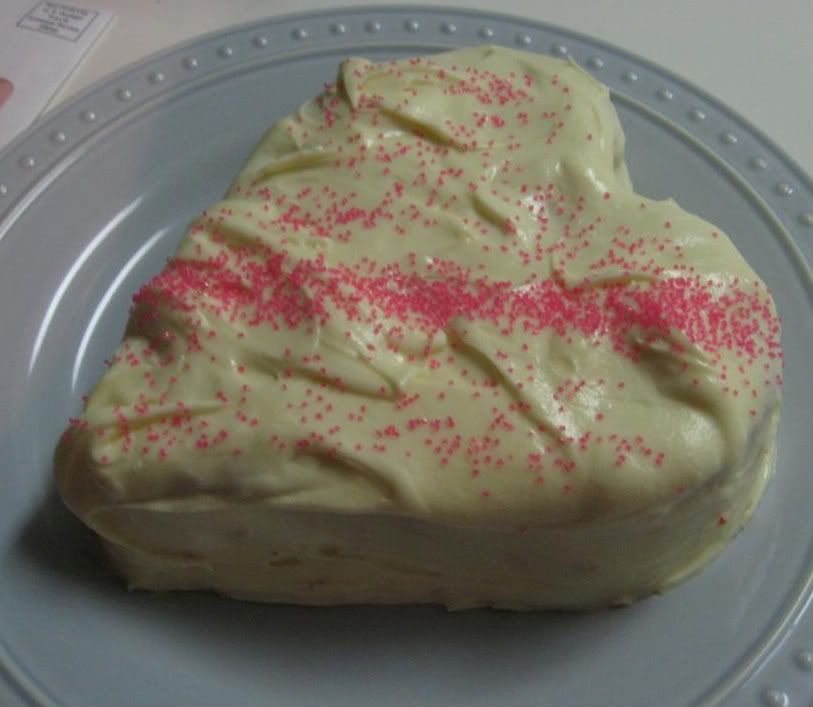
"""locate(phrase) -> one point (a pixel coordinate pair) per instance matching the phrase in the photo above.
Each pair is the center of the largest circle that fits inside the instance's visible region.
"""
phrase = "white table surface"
(754, 56)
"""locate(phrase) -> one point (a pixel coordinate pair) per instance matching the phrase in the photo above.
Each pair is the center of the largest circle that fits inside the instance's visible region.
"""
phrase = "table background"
(756, 57)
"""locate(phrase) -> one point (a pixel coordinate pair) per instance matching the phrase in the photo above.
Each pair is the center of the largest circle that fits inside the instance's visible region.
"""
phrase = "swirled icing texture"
(432, 346)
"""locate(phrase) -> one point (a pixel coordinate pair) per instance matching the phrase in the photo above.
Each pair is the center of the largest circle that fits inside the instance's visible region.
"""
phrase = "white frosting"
(432, 347)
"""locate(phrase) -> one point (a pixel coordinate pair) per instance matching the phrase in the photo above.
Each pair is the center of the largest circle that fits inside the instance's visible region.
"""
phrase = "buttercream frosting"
(433, 347)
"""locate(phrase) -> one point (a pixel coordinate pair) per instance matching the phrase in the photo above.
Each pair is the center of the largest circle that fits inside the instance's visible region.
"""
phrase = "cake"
(432, 347)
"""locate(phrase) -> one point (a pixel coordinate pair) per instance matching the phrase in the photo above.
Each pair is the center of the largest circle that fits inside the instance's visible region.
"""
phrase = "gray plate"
(95, 197)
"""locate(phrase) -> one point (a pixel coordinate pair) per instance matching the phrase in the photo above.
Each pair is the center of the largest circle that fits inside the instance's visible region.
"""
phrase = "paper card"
(40, 45)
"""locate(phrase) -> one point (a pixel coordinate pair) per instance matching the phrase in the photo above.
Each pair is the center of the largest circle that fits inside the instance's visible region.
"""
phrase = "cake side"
(432, 298)
(257, 552)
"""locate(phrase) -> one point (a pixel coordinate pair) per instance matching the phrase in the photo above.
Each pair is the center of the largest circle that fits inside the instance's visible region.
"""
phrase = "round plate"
(95, 197)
